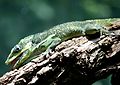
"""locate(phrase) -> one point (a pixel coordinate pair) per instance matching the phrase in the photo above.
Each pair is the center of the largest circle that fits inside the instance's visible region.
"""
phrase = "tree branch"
(80, 61)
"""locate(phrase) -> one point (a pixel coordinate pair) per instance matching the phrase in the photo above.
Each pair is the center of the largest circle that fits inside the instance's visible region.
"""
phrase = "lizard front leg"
(46, 45)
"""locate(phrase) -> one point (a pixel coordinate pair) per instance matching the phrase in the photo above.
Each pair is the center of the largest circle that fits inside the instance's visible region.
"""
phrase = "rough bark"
(79, 61)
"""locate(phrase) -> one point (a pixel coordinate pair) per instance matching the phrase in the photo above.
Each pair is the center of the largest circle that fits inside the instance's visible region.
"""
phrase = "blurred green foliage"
(20, 18)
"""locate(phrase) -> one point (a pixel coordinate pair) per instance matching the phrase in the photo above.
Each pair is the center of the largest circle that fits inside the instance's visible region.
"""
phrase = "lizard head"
(20, 52)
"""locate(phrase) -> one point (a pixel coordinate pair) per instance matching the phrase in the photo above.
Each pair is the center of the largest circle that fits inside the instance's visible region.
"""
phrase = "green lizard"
(32, 45)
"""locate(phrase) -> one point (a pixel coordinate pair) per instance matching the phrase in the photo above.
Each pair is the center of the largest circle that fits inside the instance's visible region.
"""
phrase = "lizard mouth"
(16, 59)
(20, 59)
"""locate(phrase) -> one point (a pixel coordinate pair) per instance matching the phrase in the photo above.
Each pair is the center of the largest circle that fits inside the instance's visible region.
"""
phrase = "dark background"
(20, 18)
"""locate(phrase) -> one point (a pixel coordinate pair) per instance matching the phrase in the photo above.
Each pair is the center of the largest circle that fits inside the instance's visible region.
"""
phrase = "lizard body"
(32, 45)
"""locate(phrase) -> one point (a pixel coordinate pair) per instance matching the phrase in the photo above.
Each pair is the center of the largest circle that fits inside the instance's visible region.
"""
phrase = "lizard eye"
(17, 48)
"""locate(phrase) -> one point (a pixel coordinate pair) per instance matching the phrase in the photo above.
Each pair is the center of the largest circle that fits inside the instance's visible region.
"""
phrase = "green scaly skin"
(32, 45)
